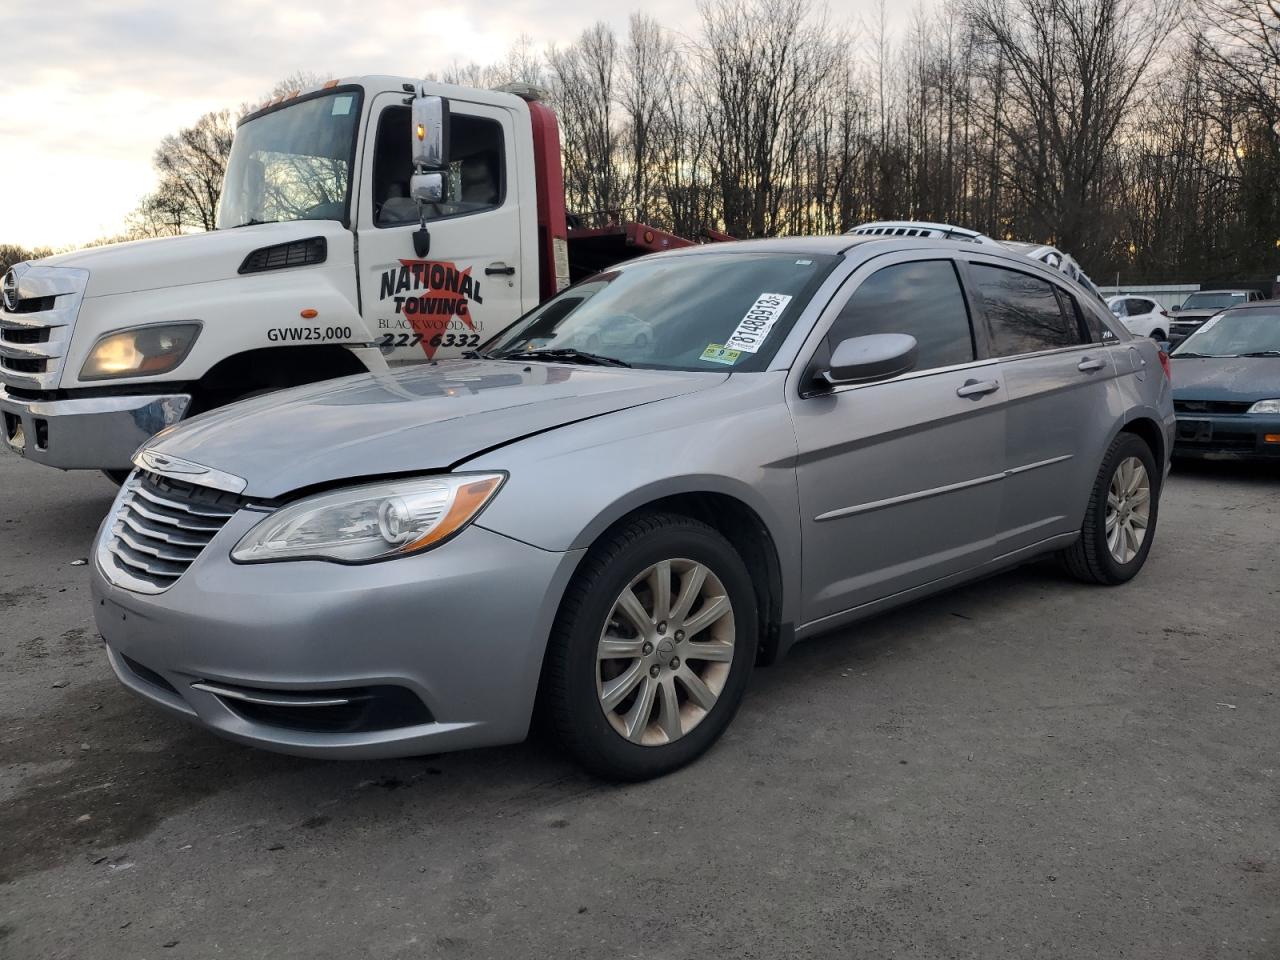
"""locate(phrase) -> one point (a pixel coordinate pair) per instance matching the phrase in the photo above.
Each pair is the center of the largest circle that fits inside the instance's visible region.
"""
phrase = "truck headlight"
(141, 351)
(1266, 406)
(377, 521)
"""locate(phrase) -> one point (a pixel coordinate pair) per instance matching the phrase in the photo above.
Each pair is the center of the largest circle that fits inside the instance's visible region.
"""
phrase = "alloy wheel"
(665, 652)
(1128, 509)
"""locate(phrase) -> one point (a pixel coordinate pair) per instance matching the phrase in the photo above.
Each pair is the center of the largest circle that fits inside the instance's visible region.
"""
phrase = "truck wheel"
(1120, 523)
(652, 648)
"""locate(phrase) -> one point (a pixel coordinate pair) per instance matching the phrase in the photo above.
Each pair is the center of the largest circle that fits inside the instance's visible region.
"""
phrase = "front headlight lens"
(1266, 406)
(373, 522)
(140, 352)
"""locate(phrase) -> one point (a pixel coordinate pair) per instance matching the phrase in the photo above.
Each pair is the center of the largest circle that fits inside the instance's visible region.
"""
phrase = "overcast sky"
(92, 86)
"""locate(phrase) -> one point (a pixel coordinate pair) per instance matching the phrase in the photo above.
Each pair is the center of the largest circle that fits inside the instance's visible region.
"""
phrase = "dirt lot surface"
(1026, 767)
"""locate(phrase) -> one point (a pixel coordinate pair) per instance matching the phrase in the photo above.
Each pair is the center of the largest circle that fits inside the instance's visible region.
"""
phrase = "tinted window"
(476, 175)
(922, 299)
(1024, 314)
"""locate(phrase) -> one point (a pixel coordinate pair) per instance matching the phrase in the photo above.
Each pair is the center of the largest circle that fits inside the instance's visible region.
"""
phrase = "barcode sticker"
(755, 326)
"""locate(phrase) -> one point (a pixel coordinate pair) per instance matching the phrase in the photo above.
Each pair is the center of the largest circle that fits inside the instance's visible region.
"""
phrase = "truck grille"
(1211, 406)
(158, 528)
(37, 314)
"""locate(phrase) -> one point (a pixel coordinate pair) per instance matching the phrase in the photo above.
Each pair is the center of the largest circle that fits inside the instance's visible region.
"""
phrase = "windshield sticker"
(432, 302)
(341, 106)
(755, 326)
(718, 353)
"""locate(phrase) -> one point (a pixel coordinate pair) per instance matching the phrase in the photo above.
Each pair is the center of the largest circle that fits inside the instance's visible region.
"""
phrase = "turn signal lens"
(140, 352)
(1272, 438)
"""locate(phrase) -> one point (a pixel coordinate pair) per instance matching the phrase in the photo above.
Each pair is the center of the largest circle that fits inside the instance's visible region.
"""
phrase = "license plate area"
(1195, 431)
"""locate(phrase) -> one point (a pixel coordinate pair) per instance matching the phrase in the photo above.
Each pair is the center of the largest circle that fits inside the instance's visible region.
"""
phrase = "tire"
(1158, 335)
(577, 679)
(1093, 558)
(118, 477)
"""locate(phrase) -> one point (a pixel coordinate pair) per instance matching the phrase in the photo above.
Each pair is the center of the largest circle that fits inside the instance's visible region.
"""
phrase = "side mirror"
(427, 187)
(1176, 308)
(877, 356)
(430, 132)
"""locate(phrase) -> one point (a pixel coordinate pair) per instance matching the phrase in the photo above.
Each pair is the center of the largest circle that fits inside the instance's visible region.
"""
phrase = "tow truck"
(365, 224)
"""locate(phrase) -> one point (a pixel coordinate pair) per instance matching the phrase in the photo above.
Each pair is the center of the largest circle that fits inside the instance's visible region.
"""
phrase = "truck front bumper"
(86, 433)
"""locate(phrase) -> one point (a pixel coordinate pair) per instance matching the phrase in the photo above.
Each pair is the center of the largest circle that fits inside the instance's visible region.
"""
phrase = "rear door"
(1059, 380)
(469, 284)
(898, 480)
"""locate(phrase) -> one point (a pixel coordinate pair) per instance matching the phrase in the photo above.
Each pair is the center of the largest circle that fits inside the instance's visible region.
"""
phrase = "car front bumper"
(1227, 436)
(258, 652)
(86, 433)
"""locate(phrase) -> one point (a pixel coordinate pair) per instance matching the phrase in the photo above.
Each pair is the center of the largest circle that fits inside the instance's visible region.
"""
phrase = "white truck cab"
(370, 223)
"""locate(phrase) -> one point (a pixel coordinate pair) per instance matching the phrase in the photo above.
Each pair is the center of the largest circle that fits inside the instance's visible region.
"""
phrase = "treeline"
(1141, 135)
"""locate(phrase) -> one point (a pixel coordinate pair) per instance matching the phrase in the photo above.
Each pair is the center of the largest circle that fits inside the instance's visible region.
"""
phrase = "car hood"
(430, 417)
(1237, 379)
(164, 262)
(1194, 316)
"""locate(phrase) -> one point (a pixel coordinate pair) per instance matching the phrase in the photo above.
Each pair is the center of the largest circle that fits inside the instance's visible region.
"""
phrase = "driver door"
(469, 285)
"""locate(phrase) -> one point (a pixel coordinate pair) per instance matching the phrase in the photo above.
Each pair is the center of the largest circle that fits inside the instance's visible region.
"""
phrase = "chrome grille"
(37, 314)
(158, 527)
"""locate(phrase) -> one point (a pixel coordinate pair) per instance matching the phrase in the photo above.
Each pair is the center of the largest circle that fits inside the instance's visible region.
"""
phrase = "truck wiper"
(253, 223)
(1262, 353)
(570, 355)
(1188, 353)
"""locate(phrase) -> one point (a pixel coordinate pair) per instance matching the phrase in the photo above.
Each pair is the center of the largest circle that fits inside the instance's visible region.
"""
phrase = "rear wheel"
(1120, 523)
(652, 648)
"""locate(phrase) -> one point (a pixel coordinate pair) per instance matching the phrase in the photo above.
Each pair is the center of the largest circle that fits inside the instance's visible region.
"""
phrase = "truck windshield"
(292, 164)
(1212, 301)
(709, 311)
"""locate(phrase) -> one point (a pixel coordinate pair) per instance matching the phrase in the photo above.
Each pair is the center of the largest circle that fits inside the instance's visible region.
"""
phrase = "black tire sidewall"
(1128, 445)
(610, 754)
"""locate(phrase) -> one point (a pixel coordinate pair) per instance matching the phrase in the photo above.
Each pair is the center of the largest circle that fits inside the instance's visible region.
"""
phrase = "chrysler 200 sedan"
(817, 430)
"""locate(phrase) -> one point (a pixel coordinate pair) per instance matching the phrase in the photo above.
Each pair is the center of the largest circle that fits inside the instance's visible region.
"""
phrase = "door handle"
(1089, 364)
(976, 389)
(499, 270)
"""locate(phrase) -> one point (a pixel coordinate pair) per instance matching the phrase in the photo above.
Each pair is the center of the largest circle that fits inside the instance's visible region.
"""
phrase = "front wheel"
(1120, 522)
(652, 648)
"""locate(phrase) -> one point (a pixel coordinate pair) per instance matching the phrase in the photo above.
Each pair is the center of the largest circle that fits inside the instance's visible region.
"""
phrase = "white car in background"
(1142, 316)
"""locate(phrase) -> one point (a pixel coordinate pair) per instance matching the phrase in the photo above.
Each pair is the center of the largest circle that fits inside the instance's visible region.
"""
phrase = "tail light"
(1164, 365)
(1164, 313)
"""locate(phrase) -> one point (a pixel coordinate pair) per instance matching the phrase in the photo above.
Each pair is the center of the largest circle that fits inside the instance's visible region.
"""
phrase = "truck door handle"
(1089, 364)
(975, 389)
(499, 270)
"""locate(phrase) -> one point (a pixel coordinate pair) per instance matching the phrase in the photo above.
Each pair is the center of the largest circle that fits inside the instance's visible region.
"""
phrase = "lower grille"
(24, 335)
(1211, 406)
(160, 526)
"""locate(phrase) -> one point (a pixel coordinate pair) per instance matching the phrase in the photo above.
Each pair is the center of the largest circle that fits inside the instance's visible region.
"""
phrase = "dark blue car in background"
(1226, 386)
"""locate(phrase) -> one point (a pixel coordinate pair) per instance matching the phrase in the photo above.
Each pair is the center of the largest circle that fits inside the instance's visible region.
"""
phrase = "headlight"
(140, 352)
(374, 522)
(1266, 406)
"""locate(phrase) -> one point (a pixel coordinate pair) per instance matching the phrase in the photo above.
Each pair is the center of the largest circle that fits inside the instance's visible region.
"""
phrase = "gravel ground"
(1025, 767)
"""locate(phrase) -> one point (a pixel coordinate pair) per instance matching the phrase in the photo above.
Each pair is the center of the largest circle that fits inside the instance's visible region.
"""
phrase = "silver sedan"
(811, 431)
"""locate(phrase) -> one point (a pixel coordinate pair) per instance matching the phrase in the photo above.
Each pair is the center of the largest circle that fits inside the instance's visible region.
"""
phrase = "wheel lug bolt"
(654, 670)
(662, 627)
(647, 648)
(675, 663)
(679, 635)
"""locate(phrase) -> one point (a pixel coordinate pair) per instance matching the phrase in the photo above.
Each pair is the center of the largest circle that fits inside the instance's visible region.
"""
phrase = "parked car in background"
(1226, 385)
(814, 430)
(1202, 305)
(1141, 316)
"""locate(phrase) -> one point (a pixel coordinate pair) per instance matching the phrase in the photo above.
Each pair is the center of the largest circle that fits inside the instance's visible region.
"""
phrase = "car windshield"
(1235, 334)
(709, 311)
(292, 164)
(1212, 301)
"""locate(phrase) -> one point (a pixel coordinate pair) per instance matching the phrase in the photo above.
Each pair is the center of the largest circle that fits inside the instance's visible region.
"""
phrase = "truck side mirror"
(430, 132)
(427, 187)
(1177, 308)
